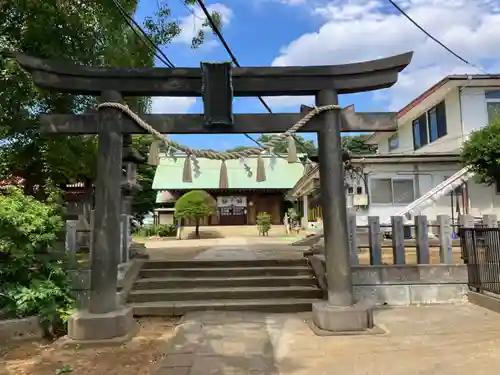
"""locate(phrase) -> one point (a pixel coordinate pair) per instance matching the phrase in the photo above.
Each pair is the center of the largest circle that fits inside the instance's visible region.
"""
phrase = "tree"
(356, 145)
(303, 145)
(33, 280)
(195, 205)
(482, 152)
(144, 200)
(85, 32)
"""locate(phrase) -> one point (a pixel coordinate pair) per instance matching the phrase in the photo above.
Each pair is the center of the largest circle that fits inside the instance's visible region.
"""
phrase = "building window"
(433, 125)
(393, 141)
(430, 126)
(392, 191)
(420, 132)
(441, 119)
(493, 104)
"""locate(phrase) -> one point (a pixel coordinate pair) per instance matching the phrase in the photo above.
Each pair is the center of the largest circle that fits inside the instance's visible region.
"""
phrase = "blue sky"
(310, 32)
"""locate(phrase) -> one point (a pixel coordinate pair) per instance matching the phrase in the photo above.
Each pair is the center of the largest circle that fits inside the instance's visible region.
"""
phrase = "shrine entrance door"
(232, 210)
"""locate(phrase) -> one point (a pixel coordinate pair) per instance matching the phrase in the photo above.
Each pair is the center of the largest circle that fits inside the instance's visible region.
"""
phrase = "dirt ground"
(138, 357)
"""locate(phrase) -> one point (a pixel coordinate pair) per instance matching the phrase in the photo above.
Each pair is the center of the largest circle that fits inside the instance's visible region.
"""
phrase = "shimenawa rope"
(216, 155)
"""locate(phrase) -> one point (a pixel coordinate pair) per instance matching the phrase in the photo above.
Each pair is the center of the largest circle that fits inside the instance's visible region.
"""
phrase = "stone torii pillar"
(339, 313)
(216, 84)
(131, 158)
(105, 319)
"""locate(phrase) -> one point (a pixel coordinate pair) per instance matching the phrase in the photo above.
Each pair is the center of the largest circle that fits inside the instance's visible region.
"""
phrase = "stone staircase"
(173, 288)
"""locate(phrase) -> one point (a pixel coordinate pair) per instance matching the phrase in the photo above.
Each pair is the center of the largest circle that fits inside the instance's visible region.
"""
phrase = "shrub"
(482, 152)
(195, 205)
(166, 230)
(294, 217)
(264, 221)
(33, 277)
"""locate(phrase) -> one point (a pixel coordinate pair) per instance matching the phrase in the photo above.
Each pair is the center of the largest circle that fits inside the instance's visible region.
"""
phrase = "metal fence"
(481, 253)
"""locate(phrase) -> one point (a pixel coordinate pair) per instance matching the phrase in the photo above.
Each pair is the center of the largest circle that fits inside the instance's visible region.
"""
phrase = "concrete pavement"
(445, 340)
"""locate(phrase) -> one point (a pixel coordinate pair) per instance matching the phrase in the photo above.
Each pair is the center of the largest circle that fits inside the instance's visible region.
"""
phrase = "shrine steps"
(174, 288)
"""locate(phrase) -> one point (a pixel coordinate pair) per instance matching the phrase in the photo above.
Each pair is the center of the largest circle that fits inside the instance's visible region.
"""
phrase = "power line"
(234, 59)
(433, 38)
(149, 43)
(165, 60)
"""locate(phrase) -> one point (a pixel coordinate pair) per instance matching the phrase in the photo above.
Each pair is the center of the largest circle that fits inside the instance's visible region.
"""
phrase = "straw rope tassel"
(261, 169)
(292, 150)
(154, 153)
(214, 155)
(223, 180)
(187, 173)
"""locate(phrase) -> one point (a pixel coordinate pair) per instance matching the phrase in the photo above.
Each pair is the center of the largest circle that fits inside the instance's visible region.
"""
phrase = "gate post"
(339, 313)
(445, 245)
(422, 239)
(105, 320)
(374, 240)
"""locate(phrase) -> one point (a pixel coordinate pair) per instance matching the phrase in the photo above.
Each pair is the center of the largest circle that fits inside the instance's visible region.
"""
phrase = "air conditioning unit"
(360, 200)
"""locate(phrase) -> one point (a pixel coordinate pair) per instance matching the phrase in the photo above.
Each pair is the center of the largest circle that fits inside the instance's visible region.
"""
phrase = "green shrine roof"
(282, 175)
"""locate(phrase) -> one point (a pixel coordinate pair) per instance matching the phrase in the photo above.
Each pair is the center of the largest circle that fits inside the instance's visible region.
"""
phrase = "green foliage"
(482, 152)
(167, 230)
(264, 222)
(33, 277)
(356, 145)
(144, 200)
(164, 230)
(163, 29)
(66, 369)
(195, 205)
(303, 145)
(85, 32)
(294, 217)
(89, 33)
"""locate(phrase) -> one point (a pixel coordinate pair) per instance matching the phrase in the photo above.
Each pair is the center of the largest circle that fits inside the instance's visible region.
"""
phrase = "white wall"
(474, 112)
(453, 139)
(465, 112)
(483, 199)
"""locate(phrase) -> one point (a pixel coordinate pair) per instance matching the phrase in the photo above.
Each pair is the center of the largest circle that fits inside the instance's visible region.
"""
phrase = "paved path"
(240, 248)
(444, 340)
(251, 252)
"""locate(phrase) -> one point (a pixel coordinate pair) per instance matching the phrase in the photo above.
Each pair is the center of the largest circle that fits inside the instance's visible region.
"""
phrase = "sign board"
(237, 201)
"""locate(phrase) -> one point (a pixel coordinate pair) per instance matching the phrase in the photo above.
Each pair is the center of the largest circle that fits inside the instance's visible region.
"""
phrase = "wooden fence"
(427, 242)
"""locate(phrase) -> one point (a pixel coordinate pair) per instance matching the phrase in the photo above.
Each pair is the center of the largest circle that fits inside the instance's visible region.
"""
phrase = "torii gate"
(217, 84)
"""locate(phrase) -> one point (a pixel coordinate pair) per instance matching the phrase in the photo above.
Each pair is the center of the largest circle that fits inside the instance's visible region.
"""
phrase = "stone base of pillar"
(112, 328)
(331, 320)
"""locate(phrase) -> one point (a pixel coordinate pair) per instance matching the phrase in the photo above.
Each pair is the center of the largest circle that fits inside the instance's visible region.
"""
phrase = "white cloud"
(191, 24)
(358, 30)
(293, 2)
(163, 104)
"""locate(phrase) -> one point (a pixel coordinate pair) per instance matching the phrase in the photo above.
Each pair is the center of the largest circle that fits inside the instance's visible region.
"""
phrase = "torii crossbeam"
(339, 313)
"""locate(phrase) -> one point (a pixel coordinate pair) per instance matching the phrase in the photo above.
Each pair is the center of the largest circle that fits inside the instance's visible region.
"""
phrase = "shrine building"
(244, 198)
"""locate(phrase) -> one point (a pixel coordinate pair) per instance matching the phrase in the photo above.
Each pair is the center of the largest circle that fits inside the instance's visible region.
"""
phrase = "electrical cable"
(129, 20)
(234, 59)
(400, 10)
(150, 44)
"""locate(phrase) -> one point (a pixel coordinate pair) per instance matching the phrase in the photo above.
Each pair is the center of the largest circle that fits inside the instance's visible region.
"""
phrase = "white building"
(407, 174)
